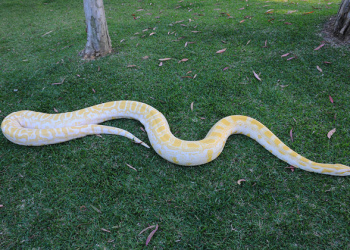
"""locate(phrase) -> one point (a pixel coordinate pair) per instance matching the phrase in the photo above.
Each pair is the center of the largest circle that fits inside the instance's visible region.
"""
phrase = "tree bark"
(342, 22)
(98, 40)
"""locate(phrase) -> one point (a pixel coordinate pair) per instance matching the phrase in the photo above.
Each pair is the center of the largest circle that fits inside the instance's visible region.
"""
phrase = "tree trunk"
(342, 22)
(98, 40)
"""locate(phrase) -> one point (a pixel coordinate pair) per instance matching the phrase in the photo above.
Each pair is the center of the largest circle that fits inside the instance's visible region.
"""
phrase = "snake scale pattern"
(31, 128)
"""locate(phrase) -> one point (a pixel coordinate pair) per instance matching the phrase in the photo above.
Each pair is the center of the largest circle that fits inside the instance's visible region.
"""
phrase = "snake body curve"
(34, 129)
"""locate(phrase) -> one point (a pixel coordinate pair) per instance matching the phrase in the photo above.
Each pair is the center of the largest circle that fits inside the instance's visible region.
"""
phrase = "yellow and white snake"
(31, 128)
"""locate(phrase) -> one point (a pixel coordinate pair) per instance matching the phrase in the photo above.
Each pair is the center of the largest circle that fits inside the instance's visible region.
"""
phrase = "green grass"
(61, 196)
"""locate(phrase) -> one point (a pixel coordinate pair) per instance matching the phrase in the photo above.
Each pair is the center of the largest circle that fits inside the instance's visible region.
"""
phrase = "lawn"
(86, 193)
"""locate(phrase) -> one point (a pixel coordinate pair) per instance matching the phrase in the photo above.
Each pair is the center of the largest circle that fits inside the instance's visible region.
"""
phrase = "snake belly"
(31, 128)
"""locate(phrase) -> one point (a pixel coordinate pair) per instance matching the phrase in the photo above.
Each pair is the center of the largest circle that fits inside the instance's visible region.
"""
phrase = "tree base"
(342, 22)
(329, 37)
(92, 55)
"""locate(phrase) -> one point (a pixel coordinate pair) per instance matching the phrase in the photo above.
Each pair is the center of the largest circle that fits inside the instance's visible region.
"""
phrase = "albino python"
(34, 129)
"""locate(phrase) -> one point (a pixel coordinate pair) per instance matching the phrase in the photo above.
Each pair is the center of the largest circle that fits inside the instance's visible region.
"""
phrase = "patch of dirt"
(327, 34)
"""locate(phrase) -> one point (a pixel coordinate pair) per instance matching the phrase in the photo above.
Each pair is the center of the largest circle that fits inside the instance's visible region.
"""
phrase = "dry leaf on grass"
(146, 229)
(330, 133)
(291, 135)
(164, 59)
(151, 235)
(131, 167)
(192, 106)
(322, 44)
(285, 54)
(240, 181)
(57, 83)
(319, 69)
(256, 75)
(96, 209)
(292, 168)
(306, 13)
(183, 60)
(55, 110)
(265, 46)
(220, 51)
(331, 99)
(105, 230)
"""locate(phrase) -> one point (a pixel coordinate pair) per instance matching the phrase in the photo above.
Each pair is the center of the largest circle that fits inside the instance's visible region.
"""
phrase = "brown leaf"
(183, 60)
(152, 33)
(288, 23)
(220, 51)
(256, 75)
(291, 11)
(285, 54)
(57, 83)
(164, 59)
(322, 44)
(265, 46)
(319, 69)
(240, 181)
(330, 133)
(96, 209)
(327, 62)
(105, 230)
(292, 168)
(306, 13)
(151, 235)
(331, 99)
(131, 167)
(146, 229)
(242, 21)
